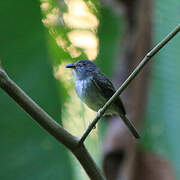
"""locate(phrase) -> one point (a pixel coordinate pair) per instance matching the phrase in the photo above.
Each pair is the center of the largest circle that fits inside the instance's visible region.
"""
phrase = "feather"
(107, 89)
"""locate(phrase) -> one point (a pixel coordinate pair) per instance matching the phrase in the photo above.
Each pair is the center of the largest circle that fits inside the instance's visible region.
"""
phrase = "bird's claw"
(94, 127)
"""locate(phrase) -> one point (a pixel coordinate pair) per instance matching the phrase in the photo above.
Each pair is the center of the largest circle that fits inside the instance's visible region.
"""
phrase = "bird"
(94, 89)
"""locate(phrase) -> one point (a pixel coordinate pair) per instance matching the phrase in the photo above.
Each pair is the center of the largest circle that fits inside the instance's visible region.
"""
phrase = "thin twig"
(48, 123)
(35, 111)
(70, 141)
(128, 80)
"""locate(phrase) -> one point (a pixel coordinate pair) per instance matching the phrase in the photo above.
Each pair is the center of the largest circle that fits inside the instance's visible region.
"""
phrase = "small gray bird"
(95, 89)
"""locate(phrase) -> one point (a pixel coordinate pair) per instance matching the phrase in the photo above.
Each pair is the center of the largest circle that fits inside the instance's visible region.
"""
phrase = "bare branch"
(36, 112)
(70, 141)
(128, 80)
(48, 123)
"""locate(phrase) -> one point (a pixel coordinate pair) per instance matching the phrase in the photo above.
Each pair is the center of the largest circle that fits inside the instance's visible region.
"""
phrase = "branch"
(36, 112)
(71, 142)
(48, 123)
(128, 80)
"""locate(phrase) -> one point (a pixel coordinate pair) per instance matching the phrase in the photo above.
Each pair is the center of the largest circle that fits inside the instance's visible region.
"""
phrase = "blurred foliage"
(92, 40)
(25, 57)
(26, 150)
(73, 32)
(161, 133)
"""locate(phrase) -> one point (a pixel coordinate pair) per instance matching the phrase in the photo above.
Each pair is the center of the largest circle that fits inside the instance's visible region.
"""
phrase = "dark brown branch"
(72, 142)
(128, 80)
(48, 123)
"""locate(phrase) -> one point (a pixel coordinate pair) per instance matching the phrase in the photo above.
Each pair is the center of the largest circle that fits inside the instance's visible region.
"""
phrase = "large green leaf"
(75, 115)
(162, 120)
(26, 150)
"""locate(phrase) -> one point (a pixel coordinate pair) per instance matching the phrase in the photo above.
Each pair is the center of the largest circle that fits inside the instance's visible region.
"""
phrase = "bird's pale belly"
(90, 95)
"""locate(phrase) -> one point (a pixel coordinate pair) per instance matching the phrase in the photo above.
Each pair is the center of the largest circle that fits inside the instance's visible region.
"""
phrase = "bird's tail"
(130, 126)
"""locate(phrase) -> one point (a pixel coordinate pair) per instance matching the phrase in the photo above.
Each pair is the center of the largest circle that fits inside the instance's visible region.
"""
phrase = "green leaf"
(162, 118)
(27, 151)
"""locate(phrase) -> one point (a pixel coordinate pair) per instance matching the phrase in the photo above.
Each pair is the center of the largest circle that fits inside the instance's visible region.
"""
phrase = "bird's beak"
(70, 66)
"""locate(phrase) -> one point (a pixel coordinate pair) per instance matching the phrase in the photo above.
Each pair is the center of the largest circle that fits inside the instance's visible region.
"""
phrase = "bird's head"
(83, 68)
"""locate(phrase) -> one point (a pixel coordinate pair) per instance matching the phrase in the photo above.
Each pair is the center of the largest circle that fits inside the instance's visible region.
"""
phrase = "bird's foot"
(94, 127)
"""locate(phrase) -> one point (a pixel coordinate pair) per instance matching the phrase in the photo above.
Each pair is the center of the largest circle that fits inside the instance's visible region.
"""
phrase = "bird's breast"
(80, 87)
(84, 88)
(89, 94)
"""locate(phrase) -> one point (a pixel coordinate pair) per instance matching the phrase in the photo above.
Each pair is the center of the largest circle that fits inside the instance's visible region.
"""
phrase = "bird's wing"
(107, 89)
